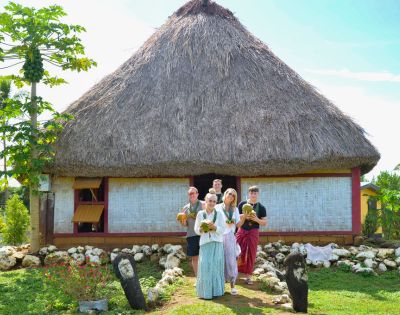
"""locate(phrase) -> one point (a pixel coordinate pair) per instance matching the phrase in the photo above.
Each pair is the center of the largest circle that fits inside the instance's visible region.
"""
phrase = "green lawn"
(331, 292)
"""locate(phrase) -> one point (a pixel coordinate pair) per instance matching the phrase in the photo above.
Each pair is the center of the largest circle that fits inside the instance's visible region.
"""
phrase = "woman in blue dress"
(210, 277)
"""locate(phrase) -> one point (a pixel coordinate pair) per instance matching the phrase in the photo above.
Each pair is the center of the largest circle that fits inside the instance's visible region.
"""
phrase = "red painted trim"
(239, 189)
(76, 203)
(303, 175)
(356, 202)
(307, 233)
(120, 234)
(106, 205)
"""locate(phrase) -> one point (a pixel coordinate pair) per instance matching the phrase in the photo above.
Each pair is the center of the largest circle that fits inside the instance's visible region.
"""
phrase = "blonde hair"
(193, 188)
(212, 191)
(211, 196)
(234, 202)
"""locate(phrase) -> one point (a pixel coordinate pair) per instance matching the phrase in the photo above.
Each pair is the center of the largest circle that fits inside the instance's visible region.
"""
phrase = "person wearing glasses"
(210, 277)
(232, 220)
(193, 240)
(248, 234)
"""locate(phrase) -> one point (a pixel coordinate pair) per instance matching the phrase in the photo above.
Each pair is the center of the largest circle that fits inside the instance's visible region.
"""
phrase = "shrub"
(82, 283)
(16, 222)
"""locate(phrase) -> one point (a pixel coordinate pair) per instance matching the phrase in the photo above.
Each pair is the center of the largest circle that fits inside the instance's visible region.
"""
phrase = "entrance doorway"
(204, 182)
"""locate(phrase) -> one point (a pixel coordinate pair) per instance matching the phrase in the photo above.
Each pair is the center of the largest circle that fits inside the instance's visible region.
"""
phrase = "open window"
(204, 182)
(89, 204)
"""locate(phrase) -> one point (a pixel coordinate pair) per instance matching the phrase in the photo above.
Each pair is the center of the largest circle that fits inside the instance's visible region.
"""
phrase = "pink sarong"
(248, 241)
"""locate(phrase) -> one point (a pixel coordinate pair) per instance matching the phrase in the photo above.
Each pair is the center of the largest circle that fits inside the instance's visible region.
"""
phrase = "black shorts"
(193, 245)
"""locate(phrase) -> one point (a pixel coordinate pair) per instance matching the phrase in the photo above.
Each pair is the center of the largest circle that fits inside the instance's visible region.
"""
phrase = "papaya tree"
(34, 41)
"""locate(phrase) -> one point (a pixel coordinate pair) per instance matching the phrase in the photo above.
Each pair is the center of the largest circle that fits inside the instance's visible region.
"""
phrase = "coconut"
(204, 225)
(248, 209)
(181, 216)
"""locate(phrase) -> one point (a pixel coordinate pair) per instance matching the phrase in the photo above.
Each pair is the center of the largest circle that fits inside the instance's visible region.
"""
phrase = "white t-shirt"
(214, 236)
(236, 218)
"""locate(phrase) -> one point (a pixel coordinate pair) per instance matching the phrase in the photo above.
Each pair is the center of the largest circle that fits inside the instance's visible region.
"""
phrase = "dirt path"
(250, 300)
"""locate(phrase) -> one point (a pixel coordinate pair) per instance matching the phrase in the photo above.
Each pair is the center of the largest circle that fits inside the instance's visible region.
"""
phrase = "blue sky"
(348, 49)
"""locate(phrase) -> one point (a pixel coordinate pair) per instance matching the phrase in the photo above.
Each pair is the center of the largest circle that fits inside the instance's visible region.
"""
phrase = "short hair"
(193, 188)
(234, 202)
(217, 180)
(211, 196)
(254, 189)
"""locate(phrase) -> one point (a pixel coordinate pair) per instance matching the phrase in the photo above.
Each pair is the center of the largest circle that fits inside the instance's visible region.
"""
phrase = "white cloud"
(377, 115)
(362, 76)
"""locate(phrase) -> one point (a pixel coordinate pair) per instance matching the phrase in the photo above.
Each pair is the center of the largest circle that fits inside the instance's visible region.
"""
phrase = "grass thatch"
(203, 95)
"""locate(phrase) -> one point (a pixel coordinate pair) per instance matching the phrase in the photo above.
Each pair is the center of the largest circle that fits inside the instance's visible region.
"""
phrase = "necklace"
(228, 214)
(193, 211)
(214, 218)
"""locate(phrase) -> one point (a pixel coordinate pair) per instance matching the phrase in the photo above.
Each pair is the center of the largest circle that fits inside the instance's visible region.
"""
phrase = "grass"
(332, 292)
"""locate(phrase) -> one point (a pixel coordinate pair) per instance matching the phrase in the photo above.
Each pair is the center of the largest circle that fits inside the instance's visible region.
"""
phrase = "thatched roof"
(203, 95)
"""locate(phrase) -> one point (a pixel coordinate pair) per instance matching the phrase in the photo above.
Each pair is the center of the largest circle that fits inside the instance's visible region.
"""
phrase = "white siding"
(304, 204)
(145, 205)
(63, 204)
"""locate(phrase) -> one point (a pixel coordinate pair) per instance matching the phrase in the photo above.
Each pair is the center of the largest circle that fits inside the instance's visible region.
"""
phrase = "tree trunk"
(33, 193)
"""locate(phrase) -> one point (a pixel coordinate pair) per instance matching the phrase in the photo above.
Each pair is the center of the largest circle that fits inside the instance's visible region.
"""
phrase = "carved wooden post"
(297, 281)
(125, 270)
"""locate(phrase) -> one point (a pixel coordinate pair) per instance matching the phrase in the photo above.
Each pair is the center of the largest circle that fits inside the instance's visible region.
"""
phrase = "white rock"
(51, 249)
(355, 267)
(385, 252)
(116, 250)
(136, 249)
(72, 250)
(390, 264)
(370, 263)
(327, 264)
(80, 249)
(19, 256)
(43, 251)
(364, 255)
(317, 263)
(259, 248)
(308, 261)
(258, 271)
(126, 251)
(262, 254)
(397, 261)
(175, 248)
(353, 250)
(147, 250)
(172, 261)
(166, 248)
(341, 252)
(272, 274)
(178, 271)
(333, 258)
(363, 248)
(94, 259)
(345, 263)
(112, 256)
(162, 261)
(382, 267)
(87, 247)
(287, 307)
(58, 257)
(364, 270)
(138, 257)
(285, 249)
(79, 259)
(30, 261)
(397, 252)
(280, 257)
(281, 299)
(155, 247)
(7, 250)
(7, 262)
(97, 251)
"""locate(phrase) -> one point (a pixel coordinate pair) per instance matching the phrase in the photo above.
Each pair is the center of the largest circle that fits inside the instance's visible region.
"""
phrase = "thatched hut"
(204, 98)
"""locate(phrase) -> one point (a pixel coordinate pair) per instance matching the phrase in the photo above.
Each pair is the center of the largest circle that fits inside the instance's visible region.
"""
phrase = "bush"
(371, 223)
(16, 222)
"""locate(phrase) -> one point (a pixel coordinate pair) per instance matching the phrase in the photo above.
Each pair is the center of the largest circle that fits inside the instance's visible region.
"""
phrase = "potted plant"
(83, 283)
